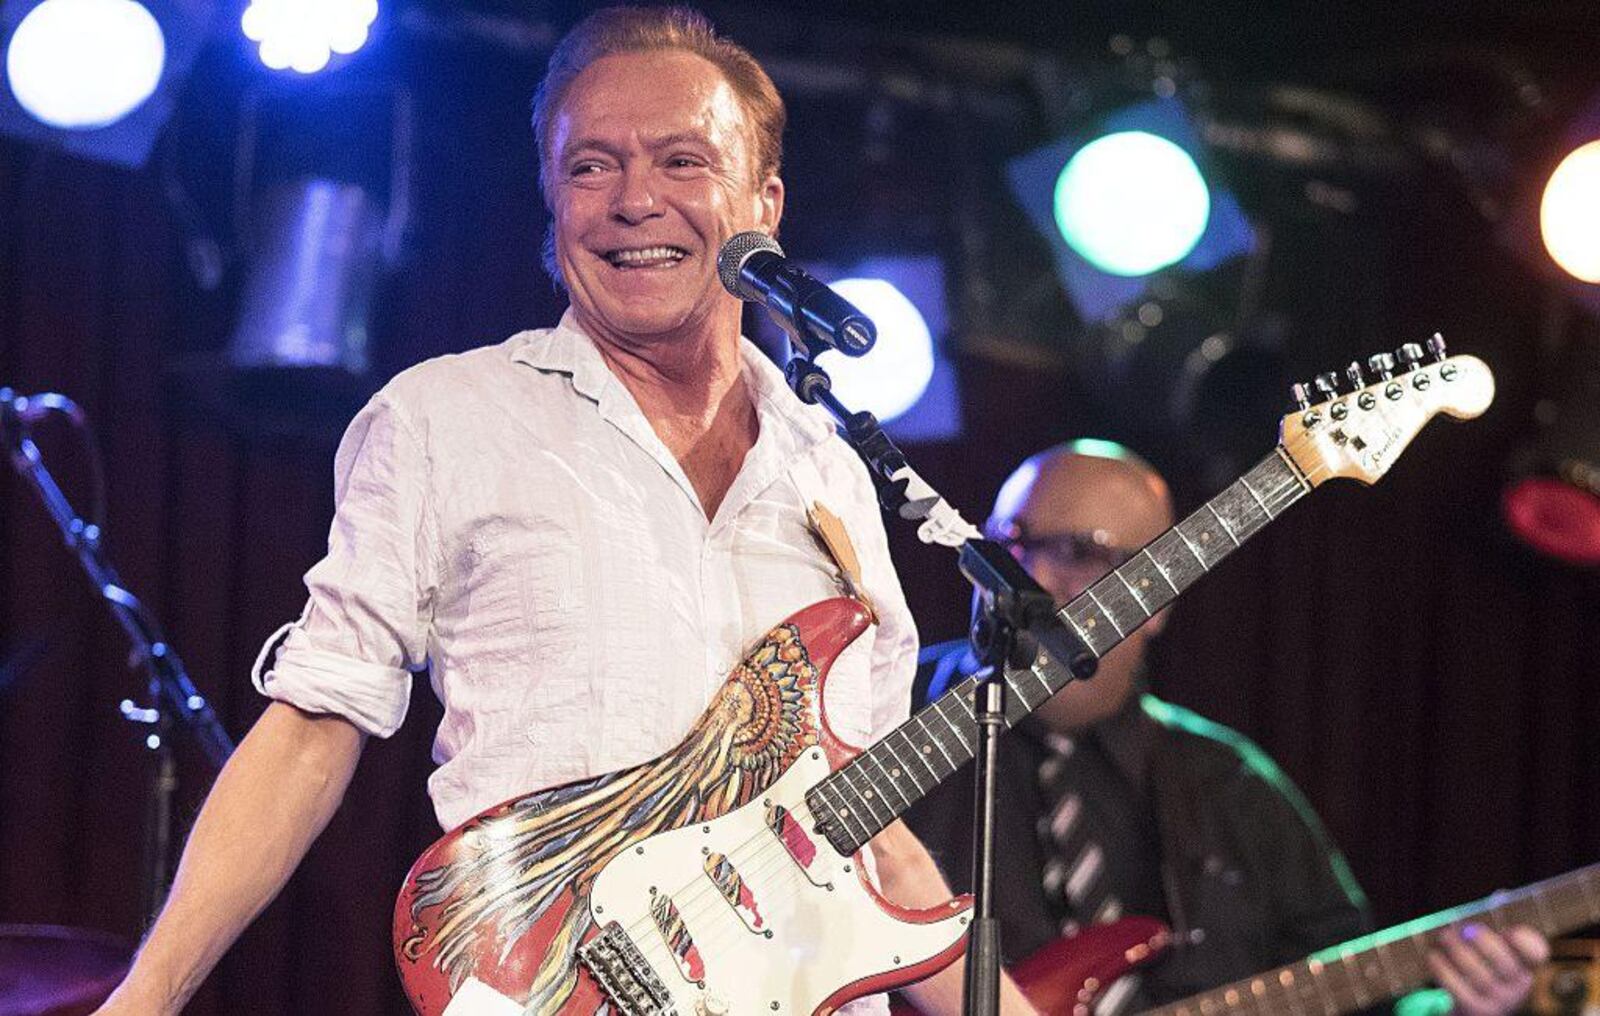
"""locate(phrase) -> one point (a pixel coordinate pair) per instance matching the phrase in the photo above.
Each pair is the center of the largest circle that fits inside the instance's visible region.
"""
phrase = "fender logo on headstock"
(1371, 423)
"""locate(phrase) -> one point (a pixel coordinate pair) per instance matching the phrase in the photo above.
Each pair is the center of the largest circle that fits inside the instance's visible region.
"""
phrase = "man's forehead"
(655, 96)
(1078, 491)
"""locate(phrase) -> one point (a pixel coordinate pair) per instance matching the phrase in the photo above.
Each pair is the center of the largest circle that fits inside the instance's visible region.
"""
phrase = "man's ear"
(771, 205)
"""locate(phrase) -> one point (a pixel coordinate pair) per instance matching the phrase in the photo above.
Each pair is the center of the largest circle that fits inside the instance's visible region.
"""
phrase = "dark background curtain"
(1434, 689)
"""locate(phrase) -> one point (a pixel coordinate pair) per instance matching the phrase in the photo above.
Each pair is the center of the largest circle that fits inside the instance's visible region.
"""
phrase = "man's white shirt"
(508, 519)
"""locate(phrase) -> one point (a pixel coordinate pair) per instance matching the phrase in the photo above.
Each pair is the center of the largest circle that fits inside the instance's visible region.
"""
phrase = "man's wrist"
(151, 988)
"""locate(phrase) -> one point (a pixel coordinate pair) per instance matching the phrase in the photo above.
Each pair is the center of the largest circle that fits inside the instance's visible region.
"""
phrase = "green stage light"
(1132, 203)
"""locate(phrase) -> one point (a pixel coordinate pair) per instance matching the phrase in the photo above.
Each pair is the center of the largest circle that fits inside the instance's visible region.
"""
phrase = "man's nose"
(635, 198)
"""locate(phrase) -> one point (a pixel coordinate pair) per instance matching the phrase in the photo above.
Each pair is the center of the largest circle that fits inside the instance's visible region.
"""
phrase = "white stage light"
(85, 64)
(890, 379)
(305, 34)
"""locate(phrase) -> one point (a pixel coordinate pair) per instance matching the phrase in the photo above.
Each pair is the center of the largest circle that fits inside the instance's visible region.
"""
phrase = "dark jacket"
(1250, 879)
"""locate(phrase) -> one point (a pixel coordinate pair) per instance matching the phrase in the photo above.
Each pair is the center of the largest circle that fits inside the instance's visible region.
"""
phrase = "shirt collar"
(568, 350)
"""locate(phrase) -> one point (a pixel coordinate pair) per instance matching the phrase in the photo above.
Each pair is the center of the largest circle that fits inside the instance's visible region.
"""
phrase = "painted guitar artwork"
(1065, 977)
(725, 876)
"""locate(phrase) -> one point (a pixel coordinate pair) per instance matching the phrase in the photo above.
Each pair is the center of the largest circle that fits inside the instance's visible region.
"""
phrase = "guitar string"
(755, 865)
(695, 896)
(1298, 484)
(1565, 891)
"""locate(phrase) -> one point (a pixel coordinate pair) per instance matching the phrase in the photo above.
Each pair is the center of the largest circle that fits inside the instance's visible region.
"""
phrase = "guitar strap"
(829, 530)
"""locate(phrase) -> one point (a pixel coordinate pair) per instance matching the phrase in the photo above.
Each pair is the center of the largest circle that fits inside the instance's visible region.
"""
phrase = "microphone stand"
(172, 694)
(1011, 605)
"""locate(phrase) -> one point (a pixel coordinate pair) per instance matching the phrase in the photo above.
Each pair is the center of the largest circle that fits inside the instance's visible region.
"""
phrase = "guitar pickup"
(679, 942)
(735, 890)
(801, 846)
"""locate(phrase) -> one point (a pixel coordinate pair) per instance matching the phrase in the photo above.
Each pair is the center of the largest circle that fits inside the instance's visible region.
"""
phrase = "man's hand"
(1485, 972)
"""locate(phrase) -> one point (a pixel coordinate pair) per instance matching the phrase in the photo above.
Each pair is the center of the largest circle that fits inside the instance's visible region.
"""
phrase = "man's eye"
(685, 162)
(585, 169)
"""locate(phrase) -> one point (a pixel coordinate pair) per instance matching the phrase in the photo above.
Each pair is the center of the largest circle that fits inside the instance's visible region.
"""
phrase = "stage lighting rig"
(906, 381)
(1124, 193)
(1569, 213)
(1552, 501)
(96, 78)
(305, 35)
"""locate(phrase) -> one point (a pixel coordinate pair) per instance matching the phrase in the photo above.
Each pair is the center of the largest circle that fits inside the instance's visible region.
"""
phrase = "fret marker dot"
(868, 794)
(1144, 583)
(894, 772)
(927, 749)
(844, 812)
(1205, 537)
(1089, 623)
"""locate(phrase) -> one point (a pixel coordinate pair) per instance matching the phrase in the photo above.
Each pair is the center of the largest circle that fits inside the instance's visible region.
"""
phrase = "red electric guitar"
(1067, 976)
(725, 876)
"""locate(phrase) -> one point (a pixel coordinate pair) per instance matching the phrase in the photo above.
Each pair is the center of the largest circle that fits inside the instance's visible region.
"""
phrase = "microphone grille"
(734, 252)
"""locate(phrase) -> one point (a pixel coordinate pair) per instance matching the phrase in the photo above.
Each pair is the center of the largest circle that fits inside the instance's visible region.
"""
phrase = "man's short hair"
(614, 30)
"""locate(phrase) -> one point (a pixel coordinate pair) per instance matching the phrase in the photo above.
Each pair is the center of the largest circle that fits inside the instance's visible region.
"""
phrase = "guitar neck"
(1368, 970)
(865, 795)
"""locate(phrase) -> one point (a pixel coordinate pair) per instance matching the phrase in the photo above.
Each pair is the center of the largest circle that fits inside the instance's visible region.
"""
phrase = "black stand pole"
(1013, 609)
(172, 694)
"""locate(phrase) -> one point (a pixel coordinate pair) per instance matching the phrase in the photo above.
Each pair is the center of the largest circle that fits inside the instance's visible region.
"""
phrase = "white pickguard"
(817, 939)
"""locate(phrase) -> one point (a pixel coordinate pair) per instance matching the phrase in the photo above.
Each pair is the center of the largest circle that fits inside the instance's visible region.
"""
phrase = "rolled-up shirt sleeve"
(366, 624)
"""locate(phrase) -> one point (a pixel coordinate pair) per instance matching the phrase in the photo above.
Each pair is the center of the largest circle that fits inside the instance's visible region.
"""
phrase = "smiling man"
(578, 531)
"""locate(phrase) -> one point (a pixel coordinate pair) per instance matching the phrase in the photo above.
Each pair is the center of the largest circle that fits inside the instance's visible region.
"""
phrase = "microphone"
(752, 267)
(30, 408)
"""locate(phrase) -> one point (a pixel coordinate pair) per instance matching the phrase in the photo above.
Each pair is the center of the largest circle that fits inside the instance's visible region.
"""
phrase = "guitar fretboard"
(858, 800)
(1368, 970)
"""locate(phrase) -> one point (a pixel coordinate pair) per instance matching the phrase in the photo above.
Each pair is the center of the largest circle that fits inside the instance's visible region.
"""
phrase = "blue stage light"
(1132, 203)
(892, 378)
(303, 35)
(85, 64)
(1101, 267)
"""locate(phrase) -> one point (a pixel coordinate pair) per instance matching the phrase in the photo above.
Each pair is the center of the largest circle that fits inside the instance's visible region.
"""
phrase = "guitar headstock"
(1360, 431)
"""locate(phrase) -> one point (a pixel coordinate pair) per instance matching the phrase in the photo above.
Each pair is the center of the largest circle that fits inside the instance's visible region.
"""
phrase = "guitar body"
(692, 883)
(701, 882)
(1065, 977)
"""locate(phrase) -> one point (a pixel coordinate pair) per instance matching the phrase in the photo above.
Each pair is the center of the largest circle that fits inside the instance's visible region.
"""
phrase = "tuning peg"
(1436, 347)
(1300, 394)
(1353, 374)
(1381, 364)
(1409, 355)
(1327, 385)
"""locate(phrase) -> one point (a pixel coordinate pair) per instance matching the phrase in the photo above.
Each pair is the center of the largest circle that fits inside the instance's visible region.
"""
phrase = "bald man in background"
(1112, 802)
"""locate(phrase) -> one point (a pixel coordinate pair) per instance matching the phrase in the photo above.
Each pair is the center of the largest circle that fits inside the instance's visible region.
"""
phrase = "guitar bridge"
(625, 975)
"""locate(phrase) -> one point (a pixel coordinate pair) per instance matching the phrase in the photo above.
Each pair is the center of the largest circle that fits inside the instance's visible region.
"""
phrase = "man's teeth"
(646, 255)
